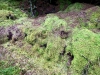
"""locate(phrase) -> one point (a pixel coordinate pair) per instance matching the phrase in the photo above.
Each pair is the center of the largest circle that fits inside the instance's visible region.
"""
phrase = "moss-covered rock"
(74, 7)
(53, 23)
(85, 47)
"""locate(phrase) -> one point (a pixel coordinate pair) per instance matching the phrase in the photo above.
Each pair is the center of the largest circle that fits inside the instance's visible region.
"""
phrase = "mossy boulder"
(74, 7)
(53, 23)
(85, 47)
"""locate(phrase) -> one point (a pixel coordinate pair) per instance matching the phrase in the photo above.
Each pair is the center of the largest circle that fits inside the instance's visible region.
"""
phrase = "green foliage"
(73, 7)
(6, 69)
(53, 23)
(85, 47)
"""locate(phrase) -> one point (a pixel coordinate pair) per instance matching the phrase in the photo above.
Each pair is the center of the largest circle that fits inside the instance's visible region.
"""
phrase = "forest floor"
(56, 42)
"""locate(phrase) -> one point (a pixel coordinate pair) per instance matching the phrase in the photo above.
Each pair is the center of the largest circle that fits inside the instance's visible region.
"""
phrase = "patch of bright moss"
(85, 47)
(12, 7)
(49, 58)
(53, 22)
(7, 69)
(93, 18)
(33, 35)
(3, 14)
(73, 7)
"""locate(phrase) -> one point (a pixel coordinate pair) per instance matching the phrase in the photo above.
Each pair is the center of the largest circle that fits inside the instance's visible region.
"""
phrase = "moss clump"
(49, 58)
(53, 23)
(3, 14)
(9, 7)
(94, 19)
(91, 21)
(35, 35)
(3, 19)
(7, 69)
(85, 47)
(74, 7)
(10, 71)
(12, 6)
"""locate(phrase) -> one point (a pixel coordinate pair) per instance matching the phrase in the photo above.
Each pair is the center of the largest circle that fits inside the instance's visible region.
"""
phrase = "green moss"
(93, 18)
(94, 69)
(7, 69)
(85, 47)
(33, 35)
(3, 14)
(10, 71)
(49, 58)
(73, 7)
(53, 22)
(9, 6)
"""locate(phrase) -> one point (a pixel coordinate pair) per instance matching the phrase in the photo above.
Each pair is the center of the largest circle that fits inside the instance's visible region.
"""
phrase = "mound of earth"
(62, 43)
